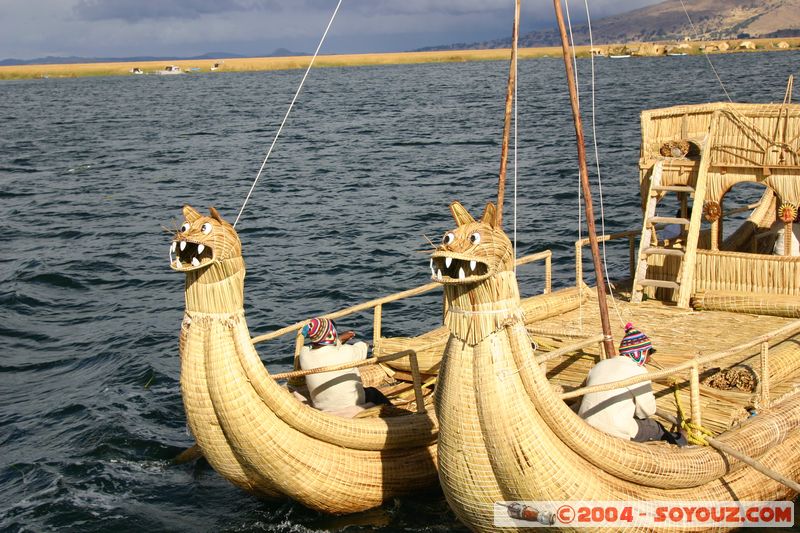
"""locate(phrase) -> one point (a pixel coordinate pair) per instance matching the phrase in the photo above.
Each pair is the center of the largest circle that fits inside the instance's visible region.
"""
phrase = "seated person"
(625, 412)
(339, 389)
(777, 249)
(672, 231)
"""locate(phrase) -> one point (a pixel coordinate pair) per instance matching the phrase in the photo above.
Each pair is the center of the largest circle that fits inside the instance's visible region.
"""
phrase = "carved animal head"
(473, 251)
(202, 241)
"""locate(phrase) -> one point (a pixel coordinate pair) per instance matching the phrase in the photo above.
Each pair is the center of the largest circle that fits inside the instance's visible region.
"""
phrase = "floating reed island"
(254, 64)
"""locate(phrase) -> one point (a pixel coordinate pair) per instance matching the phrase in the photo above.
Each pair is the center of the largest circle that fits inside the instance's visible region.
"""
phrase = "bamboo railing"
(579, 244)
(377, 306)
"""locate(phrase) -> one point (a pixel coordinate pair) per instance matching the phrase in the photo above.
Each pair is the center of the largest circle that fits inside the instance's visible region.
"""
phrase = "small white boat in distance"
(169, 69)
(620, 56)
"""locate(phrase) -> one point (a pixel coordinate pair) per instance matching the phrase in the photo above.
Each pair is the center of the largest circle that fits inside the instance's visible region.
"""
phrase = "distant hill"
(51, 60)
(713, 20)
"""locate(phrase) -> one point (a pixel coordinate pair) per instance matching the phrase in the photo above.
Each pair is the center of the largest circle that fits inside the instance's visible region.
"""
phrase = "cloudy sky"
(121, 28)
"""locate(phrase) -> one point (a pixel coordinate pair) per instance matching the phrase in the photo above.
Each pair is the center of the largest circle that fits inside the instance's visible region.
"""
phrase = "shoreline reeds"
(256, 64)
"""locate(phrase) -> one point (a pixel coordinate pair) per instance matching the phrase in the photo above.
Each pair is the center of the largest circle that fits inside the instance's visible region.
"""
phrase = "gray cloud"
(119, 28)
(137, 10)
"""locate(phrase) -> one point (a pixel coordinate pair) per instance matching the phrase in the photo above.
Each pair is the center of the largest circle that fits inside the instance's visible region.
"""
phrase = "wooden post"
(715, 236)
(512, 82)
(787, 238)
(765, 401)
(587, 192)
(695, 393)
(298, 345)
(417, 379)
(548, 274)
(632, 256)
(376, 327)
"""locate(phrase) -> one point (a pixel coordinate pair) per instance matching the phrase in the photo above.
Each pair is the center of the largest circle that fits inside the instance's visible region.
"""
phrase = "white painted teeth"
(183, 245)
(448, 261)
(195, 262)
(473, 264)
(461, 274)
(178, 263)
(173, 247)
(200, 248)
(433, 272)
(439, 274)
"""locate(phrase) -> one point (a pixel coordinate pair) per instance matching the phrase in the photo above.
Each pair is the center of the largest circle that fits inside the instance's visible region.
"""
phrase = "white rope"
(697, 36)
(286, 116)
(516, 84)
(597, 168)
(580, 192)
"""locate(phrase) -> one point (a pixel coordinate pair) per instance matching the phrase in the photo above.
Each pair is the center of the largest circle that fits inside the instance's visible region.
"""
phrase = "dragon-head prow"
(474, 250)
(202, 241)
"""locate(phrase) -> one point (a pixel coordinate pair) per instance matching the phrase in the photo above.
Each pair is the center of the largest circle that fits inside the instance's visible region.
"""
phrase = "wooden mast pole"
(608, 341)
(512, 82)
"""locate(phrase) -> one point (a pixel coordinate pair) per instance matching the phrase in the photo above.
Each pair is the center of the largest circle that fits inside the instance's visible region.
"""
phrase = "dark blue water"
(93, 170)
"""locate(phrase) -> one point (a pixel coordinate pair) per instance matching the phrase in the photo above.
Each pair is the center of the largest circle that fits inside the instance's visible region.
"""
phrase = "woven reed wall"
(745, 133)
(673, 124)
(752, 142)
(733, 271)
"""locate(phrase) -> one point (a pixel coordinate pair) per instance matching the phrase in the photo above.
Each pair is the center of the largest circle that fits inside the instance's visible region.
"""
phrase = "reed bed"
(74, 70)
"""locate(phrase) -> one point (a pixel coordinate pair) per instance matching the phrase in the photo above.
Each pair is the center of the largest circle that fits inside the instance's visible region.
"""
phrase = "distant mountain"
(712, 20)
(51, 60)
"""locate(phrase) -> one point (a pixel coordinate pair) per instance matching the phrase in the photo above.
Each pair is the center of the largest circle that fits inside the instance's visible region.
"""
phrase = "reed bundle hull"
(505, 434)
(255, 433)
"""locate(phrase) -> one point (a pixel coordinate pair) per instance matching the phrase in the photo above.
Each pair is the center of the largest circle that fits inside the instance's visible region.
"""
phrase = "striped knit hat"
(320, 331)
(635, 345)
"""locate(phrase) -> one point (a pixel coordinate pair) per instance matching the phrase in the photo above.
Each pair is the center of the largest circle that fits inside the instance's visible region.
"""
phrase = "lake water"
(93, 170)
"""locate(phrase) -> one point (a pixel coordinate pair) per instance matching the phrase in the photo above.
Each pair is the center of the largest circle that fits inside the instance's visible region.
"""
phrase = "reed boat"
(721, 311)
(507, 431)
(257, 433)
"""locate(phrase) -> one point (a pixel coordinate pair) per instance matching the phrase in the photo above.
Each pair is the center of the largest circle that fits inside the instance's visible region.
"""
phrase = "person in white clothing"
(780, 228)
(626, 412)
(340, 389)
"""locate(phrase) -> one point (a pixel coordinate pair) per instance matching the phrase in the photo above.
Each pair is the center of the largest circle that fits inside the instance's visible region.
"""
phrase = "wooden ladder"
(649, 246)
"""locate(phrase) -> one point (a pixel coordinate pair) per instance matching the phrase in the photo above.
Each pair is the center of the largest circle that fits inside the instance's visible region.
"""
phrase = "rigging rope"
(516, 85)
(286, 116)
(597, 165)
(580, 194)
(697, 36)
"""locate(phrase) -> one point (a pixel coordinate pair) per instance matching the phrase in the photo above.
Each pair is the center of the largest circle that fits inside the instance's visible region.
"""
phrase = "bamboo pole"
(749, 461)
(694, 392)
(587, 193)
(764, 375)
(376, 325)
(512, 82)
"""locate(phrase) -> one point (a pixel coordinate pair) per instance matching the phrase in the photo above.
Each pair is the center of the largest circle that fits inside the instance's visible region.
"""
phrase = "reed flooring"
(678, 335)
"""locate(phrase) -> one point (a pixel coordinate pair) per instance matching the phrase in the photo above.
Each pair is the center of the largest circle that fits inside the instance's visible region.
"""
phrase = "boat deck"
(678, 335)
